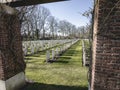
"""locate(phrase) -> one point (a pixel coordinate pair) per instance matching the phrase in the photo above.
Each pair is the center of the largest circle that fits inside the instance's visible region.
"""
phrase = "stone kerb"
(83, 53)
(32, 48)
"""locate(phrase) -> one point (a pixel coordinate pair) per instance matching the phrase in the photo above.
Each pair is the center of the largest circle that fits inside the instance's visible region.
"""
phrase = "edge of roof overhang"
(19, 3)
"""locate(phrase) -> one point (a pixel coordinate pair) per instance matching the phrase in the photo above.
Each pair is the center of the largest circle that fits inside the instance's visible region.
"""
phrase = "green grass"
(66, 73)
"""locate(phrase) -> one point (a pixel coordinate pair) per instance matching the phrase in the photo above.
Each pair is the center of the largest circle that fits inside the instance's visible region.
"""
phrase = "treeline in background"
(37, 23)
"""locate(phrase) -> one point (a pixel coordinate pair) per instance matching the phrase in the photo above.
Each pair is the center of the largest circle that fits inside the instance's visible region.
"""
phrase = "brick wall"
(106, 46)
(11, 58)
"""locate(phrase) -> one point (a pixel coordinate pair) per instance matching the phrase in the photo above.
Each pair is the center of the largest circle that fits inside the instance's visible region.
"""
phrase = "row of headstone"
(56, 52)
(31, 47)
(85, 54)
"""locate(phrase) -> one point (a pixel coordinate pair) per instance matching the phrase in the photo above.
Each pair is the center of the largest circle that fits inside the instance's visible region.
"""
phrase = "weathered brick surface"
(107, 54)
(11, 58)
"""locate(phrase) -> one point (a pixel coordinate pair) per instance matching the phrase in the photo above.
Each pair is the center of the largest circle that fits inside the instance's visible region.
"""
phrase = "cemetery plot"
(57, 51)
(66, 73)
(52, 53)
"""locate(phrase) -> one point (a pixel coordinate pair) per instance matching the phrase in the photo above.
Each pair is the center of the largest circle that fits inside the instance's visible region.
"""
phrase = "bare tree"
(25, 14)
(37, 22)
(61, 26)
(67, 29)
(33, 19)
(52, 26)
(45, 13)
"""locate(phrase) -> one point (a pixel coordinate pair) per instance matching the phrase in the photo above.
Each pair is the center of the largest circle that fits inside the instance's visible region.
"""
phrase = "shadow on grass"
(60, 61)
(71, 52)
(27, 58)
(41, 86)
(65, 57)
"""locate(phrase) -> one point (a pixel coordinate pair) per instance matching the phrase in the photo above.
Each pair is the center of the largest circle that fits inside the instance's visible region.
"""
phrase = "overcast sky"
(70, 10)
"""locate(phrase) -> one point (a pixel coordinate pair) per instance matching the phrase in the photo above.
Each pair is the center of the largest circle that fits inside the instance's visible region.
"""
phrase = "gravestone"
(32, 49)
(47, 56)
(57, 52)
(25, 50)
(53, 54)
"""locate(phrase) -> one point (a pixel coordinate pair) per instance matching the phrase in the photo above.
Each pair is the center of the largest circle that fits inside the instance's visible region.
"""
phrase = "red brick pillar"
(106, 46)
(12, 65)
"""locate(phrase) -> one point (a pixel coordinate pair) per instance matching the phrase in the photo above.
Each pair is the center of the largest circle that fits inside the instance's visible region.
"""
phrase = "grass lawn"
(66, 73)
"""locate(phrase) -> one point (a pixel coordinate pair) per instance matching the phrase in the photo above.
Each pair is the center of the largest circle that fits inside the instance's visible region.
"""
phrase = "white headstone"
(53, 54)
(47, 56)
